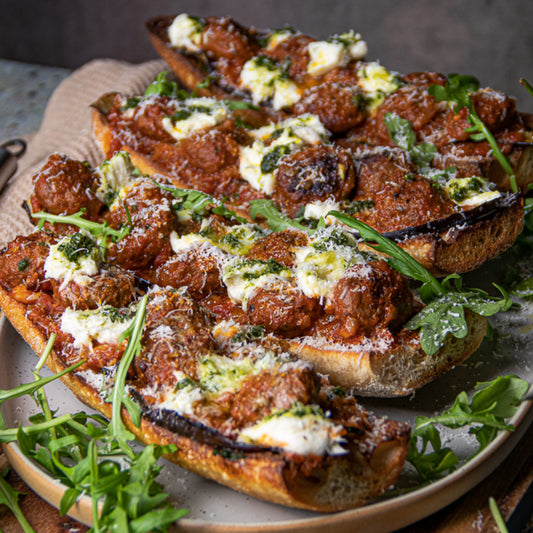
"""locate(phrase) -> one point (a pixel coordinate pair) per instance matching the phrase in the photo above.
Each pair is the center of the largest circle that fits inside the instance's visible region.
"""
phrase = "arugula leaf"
(101, 232)
(277, 221)
(162, 86)
(498, 518)
(198, 202)
(458, 90)
(492, 403)
(446, 314)
(399, 259)
(9, 497)
(134, 334)
(402, 133)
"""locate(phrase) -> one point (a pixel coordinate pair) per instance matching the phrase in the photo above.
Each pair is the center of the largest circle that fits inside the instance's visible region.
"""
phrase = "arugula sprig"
(457, 90)
(497, 515)
(162, 86)
(486, 413)
(134, 334)
(102, 233)
(402, 133)
(277, 221)
(200, 202)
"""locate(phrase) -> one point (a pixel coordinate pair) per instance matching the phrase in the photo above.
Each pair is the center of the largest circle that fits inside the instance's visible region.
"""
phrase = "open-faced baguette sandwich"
(251, 417)
(448, 223)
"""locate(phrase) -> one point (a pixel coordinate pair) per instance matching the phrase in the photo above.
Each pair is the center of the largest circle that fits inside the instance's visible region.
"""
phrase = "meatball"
(197, 270)
(112, 286)
(282, 308)
(148, 118)
(377, 170)
(209, 161)
(210, 150)
(312, 174)
(229, 46)
(267, 391)
(368, 296)
(406, 204)
(22, 261)
(339, 107)
(64, 186)
(294, 51)
(409, 102)
(495, 109)
(152, 220)
(224, 38)
(280, 246)
(176, 334)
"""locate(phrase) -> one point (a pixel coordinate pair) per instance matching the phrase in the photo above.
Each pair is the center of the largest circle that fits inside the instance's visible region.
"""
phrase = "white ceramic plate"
(216, 508)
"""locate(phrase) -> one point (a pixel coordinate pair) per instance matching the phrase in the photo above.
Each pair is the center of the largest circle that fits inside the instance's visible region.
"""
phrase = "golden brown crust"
(337, 484)
(381, 369)
(465, 247)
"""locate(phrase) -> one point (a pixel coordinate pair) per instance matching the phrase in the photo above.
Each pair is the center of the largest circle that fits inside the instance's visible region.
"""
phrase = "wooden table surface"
(470, 513)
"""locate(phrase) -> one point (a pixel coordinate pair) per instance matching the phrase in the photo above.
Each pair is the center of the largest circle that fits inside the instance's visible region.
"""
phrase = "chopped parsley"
(79, 245)
(23, 264)
(250, 334)
(270, 161)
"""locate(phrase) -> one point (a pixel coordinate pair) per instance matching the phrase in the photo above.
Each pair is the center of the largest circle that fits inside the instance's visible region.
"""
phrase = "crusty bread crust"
(337, 484)
(456, 245)
(385, 370)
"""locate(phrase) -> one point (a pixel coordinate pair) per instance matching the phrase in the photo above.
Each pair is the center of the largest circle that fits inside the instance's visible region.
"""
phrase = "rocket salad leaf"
(9, 497)
(486, 413)
(101, 232)
(198, 203)
(457, 91)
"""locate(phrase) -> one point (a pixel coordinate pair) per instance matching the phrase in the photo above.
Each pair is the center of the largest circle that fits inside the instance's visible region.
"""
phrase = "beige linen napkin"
(66, 128)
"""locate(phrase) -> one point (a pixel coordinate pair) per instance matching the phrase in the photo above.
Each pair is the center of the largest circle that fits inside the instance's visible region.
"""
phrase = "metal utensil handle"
(10, 151)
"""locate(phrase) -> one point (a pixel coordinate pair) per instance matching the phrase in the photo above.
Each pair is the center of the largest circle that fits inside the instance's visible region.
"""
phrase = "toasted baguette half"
(337, 483)
(458, 243)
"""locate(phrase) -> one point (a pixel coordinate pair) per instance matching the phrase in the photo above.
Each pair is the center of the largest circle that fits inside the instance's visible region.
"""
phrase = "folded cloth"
(66, 128)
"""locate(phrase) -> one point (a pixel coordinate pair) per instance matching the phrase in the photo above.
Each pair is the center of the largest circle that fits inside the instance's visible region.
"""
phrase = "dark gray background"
(491, 39)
